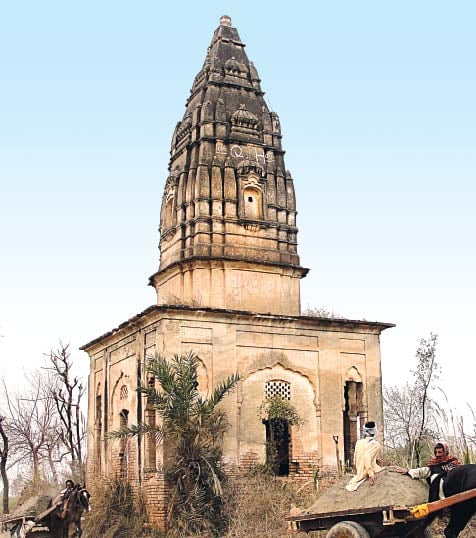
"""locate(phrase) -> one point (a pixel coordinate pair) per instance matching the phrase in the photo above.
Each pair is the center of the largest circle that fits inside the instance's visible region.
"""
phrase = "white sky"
(377, 108)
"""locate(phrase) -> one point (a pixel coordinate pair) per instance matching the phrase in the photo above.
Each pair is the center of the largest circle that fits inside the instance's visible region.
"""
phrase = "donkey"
(77, 503)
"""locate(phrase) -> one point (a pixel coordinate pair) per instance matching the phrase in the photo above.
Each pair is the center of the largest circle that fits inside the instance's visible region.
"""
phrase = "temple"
(228, 288)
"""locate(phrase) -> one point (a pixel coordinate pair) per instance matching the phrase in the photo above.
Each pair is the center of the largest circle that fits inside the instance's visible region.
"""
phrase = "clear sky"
(377, 106)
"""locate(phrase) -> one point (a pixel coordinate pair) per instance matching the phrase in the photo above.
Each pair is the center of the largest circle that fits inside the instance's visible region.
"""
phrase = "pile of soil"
(391, 489)
(32, 506)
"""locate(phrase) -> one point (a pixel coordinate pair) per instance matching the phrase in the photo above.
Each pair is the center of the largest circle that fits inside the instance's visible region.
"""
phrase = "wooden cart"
(29, 524)
(375, 522)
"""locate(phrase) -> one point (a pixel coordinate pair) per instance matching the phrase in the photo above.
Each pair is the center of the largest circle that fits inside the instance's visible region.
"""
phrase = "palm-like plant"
(191, 430)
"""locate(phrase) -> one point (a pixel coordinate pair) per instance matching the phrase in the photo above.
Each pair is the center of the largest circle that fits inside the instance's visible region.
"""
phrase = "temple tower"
(228, 235)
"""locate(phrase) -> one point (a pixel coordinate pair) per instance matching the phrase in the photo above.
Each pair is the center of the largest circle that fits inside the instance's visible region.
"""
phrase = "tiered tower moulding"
(228, 235)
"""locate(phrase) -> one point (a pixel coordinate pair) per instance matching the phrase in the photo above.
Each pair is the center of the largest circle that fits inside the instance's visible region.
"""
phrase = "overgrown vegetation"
(191, 429)
(257, 505)
(253, 505)
(277, 408)
(115, 514)
(278, 414)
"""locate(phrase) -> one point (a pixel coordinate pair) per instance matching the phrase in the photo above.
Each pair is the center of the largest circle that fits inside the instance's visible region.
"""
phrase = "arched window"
(253, 203)
(123, 393)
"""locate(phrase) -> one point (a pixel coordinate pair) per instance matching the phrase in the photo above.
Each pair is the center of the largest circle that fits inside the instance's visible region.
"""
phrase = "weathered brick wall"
(303, 464)
(156, 492)
(248, 461)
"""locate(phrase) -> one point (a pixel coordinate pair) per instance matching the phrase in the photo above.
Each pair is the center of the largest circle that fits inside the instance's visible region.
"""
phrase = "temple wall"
(312, 357)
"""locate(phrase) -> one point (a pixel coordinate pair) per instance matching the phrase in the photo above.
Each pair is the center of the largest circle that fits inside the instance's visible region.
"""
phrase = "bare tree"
(4, 453)
(53, 453)
(321, 312)
(32, 418)
(67, 395)
(18, 484)
(410, 410)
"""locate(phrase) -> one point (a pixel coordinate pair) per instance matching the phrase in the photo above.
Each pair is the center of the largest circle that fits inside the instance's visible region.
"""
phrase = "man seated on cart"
(365, 458)
(434, 470)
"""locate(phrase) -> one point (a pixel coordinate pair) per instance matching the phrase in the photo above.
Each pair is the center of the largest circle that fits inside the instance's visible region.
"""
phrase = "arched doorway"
(352, 413)
(278, 431)
(277, 445)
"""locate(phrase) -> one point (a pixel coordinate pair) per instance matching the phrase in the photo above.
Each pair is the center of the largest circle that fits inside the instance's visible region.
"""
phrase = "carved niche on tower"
(252, 189)
(168, 218)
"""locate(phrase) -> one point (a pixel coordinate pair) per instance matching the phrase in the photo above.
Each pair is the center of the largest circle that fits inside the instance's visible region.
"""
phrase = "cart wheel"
(347, 529)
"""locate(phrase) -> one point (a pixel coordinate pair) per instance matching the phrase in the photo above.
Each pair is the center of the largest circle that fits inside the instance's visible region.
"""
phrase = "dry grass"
(257, 505)
(254, 506)
(115, 513)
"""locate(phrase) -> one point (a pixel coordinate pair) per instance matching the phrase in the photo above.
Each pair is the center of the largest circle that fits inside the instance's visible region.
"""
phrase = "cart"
(30, 520)
(375, 522)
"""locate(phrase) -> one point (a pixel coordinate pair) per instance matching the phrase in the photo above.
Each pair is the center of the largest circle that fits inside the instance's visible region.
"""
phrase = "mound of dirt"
(390, 489)
(32, 506)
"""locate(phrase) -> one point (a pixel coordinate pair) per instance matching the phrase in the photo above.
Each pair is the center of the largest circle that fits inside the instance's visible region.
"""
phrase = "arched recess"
(168, 212)
(202, 378)
(204, 356)
(352, 412)
(123, 452)
(98, 427)
(253, 203)
(121, 396)
(252, 431)
(150, 419)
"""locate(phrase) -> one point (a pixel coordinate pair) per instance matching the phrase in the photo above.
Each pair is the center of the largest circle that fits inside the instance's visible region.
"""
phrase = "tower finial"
(225, 20)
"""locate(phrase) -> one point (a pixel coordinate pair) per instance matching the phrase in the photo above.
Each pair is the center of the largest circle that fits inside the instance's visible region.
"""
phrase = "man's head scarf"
(445, 458)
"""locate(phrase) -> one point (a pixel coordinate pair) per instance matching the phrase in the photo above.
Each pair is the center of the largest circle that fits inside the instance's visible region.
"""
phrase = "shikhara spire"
(228, 235)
